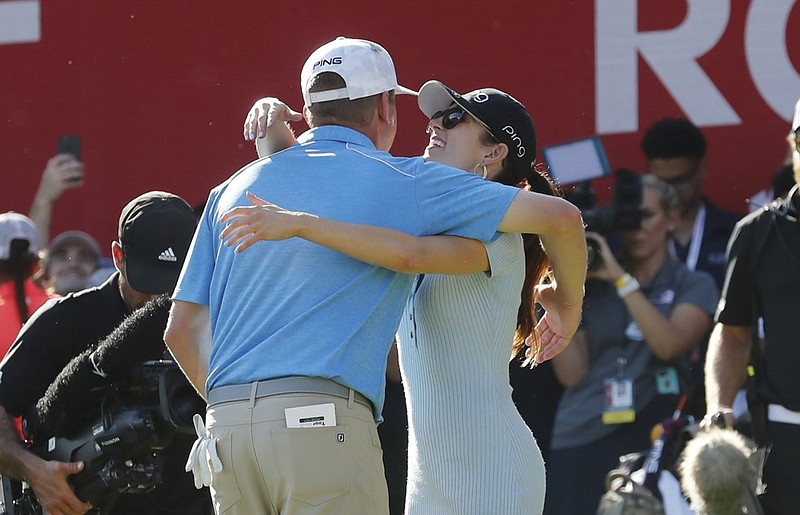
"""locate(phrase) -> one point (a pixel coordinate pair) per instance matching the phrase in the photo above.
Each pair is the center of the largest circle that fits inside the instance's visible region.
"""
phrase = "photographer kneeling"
(627, 365)
(155, 230)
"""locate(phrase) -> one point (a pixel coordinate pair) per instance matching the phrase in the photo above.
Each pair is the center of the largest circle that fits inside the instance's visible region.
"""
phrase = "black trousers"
(782, 470)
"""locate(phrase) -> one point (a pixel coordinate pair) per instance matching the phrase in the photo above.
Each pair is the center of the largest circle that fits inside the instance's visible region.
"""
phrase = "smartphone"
(69, 144)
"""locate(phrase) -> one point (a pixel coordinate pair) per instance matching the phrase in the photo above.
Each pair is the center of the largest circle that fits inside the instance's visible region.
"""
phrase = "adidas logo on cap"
(168, 255)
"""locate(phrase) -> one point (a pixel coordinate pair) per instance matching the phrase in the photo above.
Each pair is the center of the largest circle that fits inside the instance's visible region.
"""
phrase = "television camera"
(122, 446)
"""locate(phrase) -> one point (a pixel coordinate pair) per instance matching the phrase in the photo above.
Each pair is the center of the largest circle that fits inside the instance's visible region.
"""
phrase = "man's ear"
(386, 109)
(307, 116)
(117, 255)
(496, 155)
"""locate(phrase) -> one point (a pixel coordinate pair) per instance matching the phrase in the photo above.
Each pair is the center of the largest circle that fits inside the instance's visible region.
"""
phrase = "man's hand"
(717, 415)
(62, 172)
(49, 482)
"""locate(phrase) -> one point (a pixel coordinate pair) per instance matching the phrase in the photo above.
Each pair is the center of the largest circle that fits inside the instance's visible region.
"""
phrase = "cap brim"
(434, 96)
(146, 278)
(402, 90)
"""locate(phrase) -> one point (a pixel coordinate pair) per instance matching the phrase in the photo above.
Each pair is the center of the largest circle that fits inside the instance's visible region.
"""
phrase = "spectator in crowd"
(676, 152)
(346, 312)
(626, 368)
(492, 440)
(761, 281)
(19, 295)
(155, 230)
(71, 259)
(63, 172)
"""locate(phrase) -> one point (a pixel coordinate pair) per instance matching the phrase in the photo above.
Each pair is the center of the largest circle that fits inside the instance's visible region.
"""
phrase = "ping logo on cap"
(327, 62)
(515, 139)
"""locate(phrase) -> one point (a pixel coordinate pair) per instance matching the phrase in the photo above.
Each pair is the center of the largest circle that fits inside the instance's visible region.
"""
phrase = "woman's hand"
(559, 323)
(264, 113)
(262, 221)
(608, 268)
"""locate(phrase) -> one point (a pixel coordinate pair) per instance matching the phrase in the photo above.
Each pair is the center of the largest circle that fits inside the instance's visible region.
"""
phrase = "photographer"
(626, 367)
(155, 231)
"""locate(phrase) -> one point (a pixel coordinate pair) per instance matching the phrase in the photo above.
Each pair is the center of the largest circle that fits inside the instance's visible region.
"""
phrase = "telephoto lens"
(593, 258)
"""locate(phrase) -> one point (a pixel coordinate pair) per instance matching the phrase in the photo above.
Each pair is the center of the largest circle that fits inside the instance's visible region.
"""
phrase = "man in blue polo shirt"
(296, 335)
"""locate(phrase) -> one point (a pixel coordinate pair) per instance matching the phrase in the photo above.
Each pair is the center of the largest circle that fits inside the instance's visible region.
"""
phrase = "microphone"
(68, 403)
(717, 473)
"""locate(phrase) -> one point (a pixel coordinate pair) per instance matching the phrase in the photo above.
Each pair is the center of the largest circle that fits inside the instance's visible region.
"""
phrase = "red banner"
(158, 90)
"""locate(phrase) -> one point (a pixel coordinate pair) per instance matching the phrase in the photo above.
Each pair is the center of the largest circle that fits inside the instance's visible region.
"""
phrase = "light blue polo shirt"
(296, 308)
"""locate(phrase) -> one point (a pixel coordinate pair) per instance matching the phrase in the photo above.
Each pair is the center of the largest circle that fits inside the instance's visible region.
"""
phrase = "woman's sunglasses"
(450, 117)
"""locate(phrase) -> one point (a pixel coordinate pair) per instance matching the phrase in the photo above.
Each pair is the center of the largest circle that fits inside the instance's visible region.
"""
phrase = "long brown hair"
(537, 265)
(537, 269)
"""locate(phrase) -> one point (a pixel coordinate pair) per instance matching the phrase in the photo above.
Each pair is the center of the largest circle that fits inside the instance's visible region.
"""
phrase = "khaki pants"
(271, 469)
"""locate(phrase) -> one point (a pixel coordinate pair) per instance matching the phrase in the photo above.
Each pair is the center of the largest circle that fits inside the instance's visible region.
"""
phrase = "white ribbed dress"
(470, 452)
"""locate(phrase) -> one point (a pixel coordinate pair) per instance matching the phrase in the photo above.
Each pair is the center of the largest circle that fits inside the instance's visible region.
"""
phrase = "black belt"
(284, 385)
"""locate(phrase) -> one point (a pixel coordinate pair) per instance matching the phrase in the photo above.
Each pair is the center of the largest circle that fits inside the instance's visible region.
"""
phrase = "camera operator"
(155, 230)
(626, 367)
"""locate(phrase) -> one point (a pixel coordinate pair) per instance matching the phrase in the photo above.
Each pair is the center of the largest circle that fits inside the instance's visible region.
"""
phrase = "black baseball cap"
(155, 230)
(502, 115)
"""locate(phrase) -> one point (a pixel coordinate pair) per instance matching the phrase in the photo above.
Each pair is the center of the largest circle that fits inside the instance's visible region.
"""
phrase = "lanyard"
(697, 240)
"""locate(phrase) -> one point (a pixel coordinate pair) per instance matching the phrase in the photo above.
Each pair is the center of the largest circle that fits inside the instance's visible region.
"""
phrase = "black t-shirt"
(717, 231)
(56, 333)
(767, 288)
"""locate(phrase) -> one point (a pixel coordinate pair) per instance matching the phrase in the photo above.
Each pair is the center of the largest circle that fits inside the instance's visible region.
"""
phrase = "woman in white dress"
(470, 452)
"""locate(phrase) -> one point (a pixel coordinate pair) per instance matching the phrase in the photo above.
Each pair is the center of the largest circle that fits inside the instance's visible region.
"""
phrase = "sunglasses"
(797, 139)
(681, 180)
(450, 117)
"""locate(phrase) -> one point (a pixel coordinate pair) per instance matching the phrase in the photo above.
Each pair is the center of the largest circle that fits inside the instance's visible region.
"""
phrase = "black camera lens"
(593, 258)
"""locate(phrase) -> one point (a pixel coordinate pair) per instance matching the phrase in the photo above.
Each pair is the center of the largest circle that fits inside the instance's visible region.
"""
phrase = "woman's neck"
(646, 269)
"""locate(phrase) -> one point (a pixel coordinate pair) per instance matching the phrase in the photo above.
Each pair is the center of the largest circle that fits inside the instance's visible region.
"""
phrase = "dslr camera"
(577, 163)
(622, 214)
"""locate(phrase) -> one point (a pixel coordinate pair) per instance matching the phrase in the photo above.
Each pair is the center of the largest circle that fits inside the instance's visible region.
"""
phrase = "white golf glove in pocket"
(203, 457)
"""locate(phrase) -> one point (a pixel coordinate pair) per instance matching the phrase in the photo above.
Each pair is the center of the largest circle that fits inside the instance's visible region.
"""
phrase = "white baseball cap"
(14, 226)
(366, 67)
